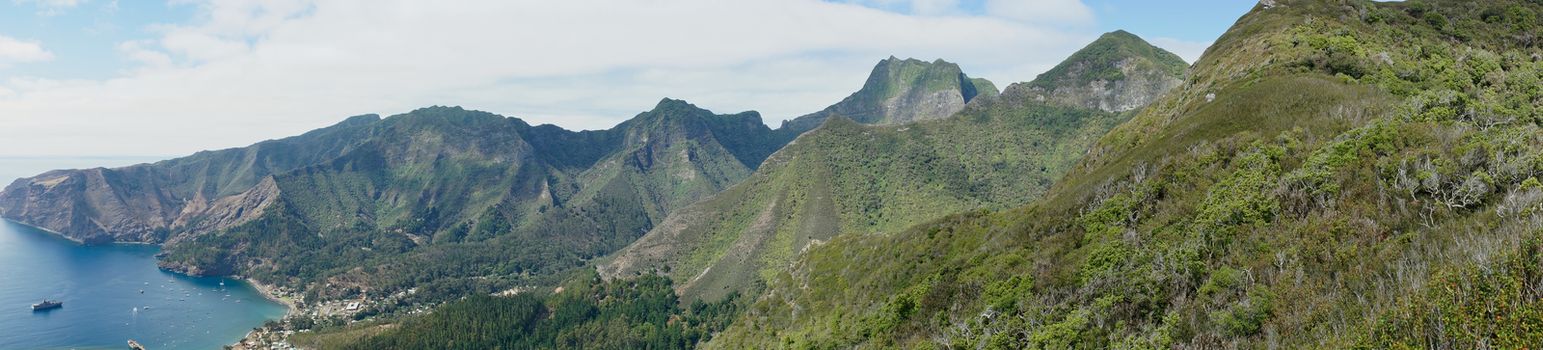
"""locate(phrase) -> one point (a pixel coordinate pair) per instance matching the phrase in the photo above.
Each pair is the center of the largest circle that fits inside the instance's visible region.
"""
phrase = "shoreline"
(265, 290)
(268, 292)
(51, 232)
(73, 239)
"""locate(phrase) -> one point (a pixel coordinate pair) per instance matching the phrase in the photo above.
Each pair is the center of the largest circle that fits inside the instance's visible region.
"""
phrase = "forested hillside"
(1332, 174)
(845, 178)
(586, 313)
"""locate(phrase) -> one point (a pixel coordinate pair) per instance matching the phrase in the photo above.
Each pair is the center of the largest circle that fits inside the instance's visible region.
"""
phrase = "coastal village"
(275, 335)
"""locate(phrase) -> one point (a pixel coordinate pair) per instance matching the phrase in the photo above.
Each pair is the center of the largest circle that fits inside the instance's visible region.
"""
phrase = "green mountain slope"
(442, 198)
(902, 91)
(460, 200)
(1335, 174)
(848, 178)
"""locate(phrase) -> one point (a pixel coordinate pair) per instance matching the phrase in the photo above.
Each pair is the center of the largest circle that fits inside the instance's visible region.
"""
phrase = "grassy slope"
(1329, 196)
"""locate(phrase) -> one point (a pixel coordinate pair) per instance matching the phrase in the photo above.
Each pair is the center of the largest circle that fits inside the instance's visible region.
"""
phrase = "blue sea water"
(103, 307)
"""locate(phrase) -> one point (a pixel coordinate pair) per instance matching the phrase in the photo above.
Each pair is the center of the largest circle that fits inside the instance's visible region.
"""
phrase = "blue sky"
(83, 38)
(110, 78)
(1188, 20)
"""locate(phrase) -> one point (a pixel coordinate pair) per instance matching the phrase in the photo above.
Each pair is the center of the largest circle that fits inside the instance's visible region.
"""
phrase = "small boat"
(47, 305)
(134, 345)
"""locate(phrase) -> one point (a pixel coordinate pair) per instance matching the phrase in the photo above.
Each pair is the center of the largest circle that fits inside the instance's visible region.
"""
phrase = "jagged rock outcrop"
(902, 91)
(1116, 73)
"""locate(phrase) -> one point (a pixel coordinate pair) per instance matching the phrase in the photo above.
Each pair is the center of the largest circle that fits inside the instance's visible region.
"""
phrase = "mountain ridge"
(847, 177)
(399, 185)
(421, 183)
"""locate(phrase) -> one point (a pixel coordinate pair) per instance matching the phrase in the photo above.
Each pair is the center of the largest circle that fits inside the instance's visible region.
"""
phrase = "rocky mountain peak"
(901, 91)
(1117, 72)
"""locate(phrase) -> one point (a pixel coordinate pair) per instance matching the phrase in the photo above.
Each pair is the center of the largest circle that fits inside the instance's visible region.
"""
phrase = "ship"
(46, 305)
(134, 345)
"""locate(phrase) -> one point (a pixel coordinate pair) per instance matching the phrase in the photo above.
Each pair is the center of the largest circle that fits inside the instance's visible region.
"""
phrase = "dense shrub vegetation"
(1336, 175)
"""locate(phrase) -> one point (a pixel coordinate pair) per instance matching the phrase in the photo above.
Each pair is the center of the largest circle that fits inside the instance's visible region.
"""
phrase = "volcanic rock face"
(92, 206)
(123, 205)
(1137, 90)
(902, 91)
(155, 203)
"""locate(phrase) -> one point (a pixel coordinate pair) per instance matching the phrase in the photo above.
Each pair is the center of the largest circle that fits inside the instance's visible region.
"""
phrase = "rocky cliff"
(154, 203)
(902, 91)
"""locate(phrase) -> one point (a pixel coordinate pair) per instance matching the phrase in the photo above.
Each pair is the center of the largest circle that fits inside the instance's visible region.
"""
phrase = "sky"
(108, 78)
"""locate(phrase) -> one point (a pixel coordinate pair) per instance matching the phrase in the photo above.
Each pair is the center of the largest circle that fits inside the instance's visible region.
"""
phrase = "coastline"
(73, 239)
(271, 293)
(267, 291)
(52, 232)
(255, 337)
(32, 234)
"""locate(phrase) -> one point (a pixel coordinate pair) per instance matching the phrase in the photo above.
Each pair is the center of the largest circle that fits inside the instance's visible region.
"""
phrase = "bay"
(101, 285)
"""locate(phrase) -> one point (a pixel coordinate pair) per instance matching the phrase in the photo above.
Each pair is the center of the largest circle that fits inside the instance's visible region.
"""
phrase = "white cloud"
(144, 52)
(935, 7)
(13, 51)
(249, 70)
(1189, 50)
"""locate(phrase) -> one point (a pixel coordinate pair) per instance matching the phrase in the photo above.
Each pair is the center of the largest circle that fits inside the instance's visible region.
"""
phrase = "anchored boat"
(47, 305)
